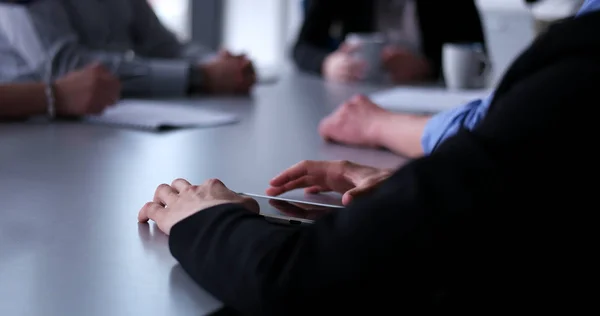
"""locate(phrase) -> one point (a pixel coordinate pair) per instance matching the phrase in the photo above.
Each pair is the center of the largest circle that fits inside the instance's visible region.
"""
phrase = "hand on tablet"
(344, 177)
(175, 202)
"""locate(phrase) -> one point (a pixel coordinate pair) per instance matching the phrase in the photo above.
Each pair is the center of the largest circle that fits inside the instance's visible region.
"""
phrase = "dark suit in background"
(440, 22)
(497, 219)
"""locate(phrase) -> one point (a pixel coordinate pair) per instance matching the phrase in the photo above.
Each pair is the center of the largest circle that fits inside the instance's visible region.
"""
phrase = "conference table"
(70, 192)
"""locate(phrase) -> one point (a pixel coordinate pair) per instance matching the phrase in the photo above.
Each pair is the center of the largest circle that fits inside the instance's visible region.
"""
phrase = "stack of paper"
(160, 115)
(425, 99)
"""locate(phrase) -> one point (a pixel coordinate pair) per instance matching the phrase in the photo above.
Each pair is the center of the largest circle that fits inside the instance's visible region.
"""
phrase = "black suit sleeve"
(449, 22)
(428, 234)
(465, 25)
(312, 46)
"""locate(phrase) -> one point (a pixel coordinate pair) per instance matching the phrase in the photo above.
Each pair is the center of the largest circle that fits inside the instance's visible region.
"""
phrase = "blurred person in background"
(50, 38)
(414, 30)
(361, 122)
(84, 92)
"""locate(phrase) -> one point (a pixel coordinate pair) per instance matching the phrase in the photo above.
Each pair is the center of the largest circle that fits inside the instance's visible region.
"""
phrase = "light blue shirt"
(589, 6)
(448, 123)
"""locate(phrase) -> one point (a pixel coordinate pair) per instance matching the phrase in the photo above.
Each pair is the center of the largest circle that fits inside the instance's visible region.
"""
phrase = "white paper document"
(425, 99)
(160, 115)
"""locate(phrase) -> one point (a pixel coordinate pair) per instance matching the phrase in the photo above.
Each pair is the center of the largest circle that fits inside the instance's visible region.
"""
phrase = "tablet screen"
(288, 212)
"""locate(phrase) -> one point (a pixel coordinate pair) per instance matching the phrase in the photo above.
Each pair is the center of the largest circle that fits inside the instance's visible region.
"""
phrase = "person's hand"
(404, 66)
(248, 73)
(229, 74)
(247, 69)
(175, 202)
(86, 91)
(342, 67)
(354, 122)
(344, 177)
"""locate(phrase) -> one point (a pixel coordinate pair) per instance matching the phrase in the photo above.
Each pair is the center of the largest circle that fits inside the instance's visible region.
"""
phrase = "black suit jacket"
(440, 22)
(498, 219)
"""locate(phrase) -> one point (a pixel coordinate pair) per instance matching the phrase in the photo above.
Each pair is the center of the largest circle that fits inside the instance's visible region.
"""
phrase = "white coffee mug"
(369, 50)
(465, 66)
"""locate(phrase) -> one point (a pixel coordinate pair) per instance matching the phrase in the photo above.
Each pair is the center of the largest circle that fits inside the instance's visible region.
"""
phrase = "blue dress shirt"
(589, 6)
(448, 123)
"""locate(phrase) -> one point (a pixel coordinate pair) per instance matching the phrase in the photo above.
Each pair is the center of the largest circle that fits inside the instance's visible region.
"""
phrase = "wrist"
(38, 100)
(408, 128)
(375, 131)
(210, 204)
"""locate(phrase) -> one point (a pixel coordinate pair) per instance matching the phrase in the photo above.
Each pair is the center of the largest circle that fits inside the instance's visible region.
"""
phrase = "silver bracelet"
(49, 88)
(50, 100)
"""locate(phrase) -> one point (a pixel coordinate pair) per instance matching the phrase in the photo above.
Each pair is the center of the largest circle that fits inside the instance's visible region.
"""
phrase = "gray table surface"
(70, 192)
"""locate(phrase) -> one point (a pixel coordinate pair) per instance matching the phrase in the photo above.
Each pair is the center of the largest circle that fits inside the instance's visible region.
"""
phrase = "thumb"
(358, 191)
(347, 198)
(351, 194)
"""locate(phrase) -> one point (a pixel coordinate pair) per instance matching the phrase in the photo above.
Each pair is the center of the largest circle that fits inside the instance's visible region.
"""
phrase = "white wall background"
(174, 14)
(509, 29)
(256, 27)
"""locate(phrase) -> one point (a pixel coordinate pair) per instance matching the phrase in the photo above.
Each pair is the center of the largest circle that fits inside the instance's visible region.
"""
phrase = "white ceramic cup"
(369, 50)
(465, 66)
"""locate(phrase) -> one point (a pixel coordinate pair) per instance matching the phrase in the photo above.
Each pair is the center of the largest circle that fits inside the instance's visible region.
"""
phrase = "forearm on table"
(19, 101)
(160, 77)
(401, 133)
(143, 77)
(244, 251)
(51, 46)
